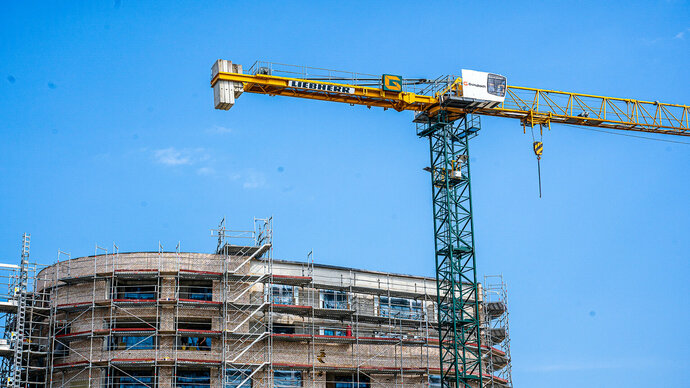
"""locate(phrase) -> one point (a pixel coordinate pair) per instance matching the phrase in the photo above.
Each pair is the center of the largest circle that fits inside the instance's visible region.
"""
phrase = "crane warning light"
(391, 83)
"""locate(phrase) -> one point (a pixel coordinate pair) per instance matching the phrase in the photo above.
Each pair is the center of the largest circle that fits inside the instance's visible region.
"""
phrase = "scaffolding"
(495, 331)
(247, 311)
(232, 318)
(24, 321)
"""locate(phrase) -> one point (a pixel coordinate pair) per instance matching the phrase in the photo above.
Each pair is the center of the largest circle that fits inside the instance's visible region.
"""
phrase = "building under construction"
(236, 317)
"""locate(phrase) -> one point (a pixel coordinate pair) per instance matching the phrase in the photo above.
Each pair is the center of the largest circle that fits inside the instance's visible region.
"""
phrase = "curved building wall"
(197, 320)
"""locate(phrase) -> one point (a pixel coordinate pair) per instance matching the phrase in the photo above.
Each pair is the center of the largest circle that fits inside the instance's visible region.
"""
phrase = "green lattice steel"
(456, 276)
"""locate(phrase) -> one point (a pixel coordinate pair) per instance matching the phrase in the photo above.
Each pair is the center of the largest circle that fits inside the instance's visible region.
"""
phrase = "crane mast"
(456, 271)
(448, 118)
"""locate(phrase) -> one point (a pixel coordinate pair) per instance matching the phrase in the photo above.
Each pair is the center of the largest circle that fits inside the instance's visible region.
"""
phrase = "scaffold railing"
(495, 331)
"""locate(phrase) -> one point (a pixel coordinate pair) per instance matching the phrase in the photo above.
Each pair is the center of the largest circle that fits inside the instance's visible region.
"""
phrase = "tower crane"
(447, 113)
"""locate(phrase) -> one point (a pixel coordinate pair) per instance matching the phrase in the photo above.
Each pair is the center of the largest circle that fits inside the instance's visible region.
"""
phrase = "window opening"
(287, 378)
(400, 308)
(334, 299)
(193, 378)
(282, 294)
(196, 289)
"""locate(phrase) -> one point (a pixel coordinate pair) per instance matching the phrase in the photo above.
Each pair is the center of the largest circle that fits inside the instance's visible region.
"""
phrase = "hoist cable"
(539, 173)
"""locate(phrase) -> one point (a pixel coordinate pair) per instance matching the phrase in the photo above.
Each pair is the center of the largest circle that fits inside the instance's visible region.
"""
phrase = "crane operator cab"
(476, 89)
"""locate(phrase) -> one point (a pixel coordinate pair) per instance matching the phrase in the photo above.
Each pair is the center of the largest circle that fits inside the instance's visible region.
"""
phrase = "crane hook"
(538, 150)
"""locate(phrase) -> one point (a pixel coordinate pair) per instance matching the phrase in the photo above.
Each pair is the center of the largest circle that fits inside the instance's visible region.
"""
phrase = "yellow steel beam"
(356, 95)
(553, 106)
(529, 105)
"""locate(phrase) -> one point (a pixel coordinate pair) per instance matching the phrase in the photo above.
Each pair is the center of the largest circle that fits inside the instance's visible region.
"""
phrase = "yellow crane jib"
(476, 92)
(228, 83)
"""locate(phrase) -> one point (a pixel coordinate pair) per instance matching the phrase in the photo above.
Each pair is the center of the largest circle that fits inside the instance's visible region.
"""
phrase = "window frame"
(271, 295)
(192, 347)
(241, 374)
(296, 381)
(127, 289)
(413, 309)
(186, 289)
(284, 329)
(494, 88)
(336, 302)
(151, 375)
(340, 381)
(193, 384)
(333, 332)
(201, 324)
(114, 344)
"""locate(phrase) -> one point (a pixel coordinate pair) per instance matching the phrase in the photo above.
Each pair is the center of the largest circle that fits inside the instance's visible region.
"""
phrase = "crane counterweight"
(225, 92)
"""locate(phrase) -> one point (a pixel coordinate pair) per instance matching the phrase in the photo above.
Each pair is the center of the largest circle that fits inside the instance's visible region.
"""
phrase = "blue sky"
(109, 135)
